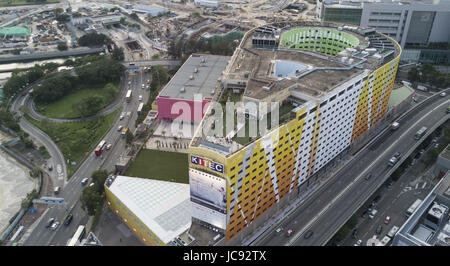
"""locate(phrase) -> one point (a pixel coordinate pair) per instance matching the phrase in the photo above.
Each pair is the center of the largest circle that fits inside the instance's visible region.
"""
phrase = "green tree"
(93, 39)
(413, 74)
(129, 137)
(117, 53)
(62, 46)
(90, 200)
(99, 177)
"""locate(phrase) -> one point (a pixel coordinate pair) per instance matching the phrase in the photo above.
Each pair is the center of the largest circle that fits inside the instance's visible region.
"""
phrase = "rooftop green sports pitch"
(160, 165)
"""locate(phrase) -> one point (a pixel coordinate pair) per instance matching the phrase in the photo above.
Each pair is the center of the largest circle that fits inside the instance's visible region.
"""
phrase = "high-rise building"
(414, 24)
(332, 83)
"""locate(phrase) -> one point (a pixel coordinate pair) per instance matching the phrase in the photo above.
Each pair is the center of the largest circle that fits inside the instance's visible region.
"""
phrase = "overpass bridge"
(50, 55)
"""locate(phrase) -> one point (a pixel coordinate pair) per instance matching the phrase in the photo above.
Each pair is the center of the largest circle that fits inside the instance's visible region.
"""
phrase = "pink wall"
(165, 108)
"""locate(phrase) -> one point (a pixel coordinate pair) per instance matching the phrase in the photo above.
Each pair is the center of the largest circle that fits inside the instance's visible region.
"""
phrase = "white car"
(121, 117)
(54, 226)
(358, 243)
(140, 98)
(443, 94)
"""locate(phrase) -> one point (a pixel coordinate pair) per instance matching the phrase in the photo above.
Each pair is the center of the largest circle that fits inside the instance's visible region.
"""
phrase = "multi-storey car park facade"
(338, 82)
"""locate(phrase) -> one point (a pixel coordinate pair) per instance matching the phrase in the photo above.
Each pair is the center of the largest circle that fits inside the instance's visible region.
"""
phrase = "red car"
(387, 220)
(289, 232)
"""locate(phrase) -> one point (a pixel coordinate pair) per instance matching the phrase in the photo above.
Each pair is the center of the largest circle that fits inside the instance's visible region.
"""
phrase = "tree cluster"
(93, 196)
(217, 45)
(428, 74)
(20, 79)
(55, 86)
(93, 39)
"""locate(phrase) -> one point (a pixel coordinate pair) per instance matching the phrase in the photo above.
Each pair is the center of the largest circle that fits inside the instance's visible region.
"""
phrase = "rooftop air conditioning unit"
(195, 70)
(266, 88)
(343, 59)
(203, 60)
(191, 77)
(350, 61)
(182, 89)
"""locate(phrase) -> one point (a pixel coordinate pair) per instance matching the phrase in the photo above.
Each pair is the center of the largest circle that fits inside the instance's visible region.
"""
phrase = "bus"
(139, 110)
(420, 133)
(413, 207)
(79, 234)
(128, 97)
(100, 147)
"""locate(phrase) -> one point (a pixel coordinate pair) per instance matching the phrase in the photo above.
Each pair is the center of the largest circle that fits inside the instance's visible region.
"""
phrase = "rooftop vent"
(195, 70)
(182, 89)
(203, 60)
(191, 77)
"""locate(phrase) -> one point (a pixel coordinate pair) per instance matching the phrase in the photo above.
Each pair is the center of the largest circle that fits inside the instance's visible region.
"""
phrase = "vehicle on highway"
(128, 96)
(289, 232)
(84, 181)
(50, 167)
(140, 98)
(148, 81)
(413, 207)
(129, 82)
(132, 64)
(121, 117)
(140, 107)
(56, 190)
(372, 214)
(143, 86)
(308, 234)
(379, 229)
(50, 222)
(358, 243)
(393, 231)
(68, 220)
(54, 226)
(124, 132)
(420, 133)
(81, 230)
(384, 241)
(363, 214)
(368, 176)
(108, 147)
(91, 184)
(448, 110)
(443, 94)
(387, 220)
(422, 88)
(421, 152)
(395, 125)
(355, 233)
(394, 159)
(100, 147)
(119, 128)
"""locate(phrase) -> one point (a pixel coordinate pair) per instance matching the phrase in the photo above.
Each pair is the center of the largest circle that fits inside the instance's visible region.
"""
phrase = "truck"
(422, 88)
(393, 231)
(128, 96)
(394, 159)
(124, 132)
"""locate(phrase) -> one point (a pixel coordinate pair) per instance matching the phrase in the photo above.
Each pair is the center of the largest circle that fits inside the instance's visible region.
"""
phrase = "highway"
(42, 236)
(328, 208)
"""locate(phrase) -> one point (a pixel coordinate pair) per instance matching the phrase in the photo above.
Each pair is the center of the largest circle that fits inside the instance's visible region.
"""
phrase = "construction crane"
(72, 27)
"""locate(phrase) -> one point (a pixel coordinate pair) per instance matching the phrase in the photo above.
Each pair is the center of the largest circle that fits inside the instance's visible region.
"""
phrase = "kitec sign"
(207, 163)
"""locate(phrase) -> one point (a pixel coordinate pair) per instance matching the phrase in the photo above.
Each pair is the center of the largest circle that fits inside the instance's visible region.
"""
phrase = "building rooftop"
(164, 207)
(198, 75)
(298, 61)
(429, 225)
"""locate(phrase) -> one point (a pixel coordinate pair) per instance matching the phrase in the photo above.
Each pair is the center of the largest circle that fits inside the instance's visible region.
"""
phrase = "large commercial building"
(414, 24)
(333, 84)
(429, 225)
(157, 212)
(194, 85)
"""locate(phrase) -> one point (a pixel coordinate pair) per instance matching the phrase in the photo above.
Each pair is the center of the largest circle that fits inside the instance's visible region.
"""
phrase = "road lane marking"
(298, 234)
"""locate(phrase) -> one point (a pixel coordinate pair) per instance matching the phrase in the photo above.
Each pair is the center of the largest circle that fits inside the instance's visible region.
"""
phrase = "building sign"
(208, 198)
(207, 163)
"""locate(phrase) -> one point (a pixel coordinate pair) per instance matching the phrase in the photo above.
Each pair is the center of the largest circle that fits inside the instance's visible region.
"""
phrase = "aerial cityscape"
(250, 123)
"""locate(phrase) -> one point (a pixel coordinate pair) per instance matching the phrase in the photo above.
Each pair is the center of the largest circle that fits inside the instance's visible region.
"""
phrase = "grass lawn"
(160, 165)
(62, 108)
(25, 2)
(76, 139)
